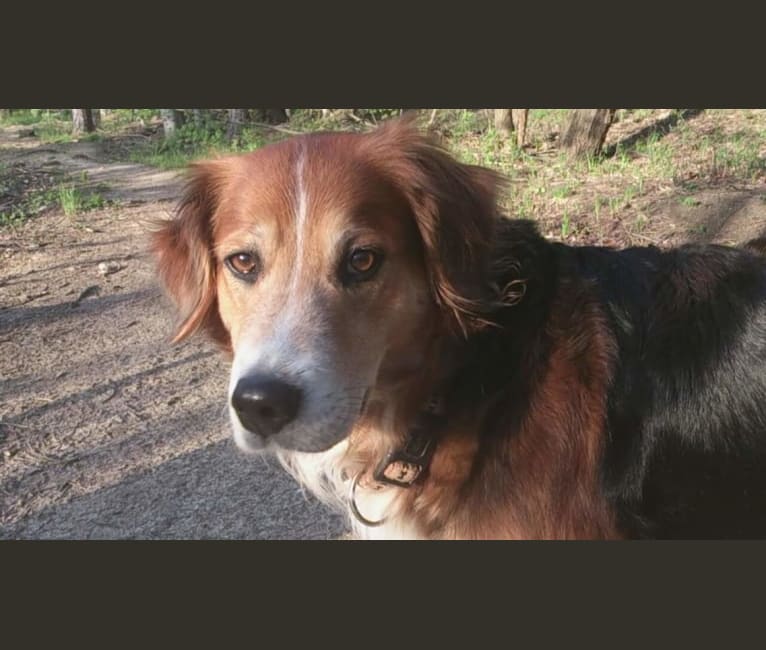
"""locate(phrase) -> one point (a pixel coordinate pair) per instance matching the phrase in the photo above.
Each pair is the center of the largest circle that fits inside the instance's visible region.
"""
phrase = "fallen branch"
(640, 236)
(276, 127)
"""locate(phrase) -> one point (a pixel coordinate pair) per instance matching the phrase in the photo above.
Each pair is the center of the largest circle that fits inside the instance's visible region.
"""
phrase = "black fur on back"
(685, 437)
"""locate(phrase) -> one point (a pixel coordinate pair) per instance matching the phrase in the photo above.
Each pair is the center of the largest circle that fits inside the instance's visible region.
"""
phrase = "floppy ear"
(183, 247)
(455, 208)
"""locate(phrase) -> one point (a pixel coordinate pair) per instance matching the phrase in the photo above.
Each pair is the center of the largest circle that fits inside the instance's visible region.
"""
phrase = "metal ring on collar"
(355, 511)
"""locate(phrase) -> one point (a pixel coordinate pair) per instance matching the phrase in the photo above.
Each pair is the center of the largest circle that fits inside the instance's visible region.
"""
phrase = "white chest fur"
(322, 474)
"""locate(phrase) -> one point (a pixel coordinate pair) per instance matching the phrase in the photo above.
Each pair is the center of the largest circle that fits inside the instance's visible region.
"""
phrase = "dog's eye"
(362, 261)
(244, 265)
(362, 264)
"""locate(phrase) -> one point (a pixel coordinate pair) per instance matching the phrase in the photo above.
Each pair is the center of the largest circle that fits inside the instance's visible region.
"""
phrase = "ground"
(108, 431)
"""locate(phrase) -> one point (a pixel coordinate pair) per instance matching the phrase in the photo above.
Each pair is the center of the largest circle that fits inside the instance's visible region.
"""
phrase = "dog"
(440, 371)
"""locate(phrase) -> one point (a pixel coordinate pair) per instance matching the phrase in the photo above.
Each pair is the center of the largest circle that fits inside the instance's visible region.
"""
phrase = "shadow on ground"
(214, 492)
(660, 127)
(715, 214)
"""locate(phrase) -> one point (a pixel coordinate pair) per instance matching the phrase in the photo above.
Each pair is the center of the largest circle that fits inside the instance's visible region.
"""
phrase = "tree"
(199, 116)
(82, 120)
(586, 131)
(236, 118)
(270, 115)
(520, 120)
(172, 119)
(504, 121)
(508, 120)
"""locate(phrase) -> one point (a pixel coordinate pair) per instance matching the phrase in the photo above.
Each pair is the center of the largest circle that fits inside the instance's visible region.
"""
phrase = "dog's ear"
(183, 248)
(455, 208)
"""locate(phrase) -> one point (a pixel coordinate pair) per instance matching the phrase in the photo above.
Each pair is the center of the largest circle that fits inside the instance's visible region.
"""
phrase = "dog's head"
(327, 265)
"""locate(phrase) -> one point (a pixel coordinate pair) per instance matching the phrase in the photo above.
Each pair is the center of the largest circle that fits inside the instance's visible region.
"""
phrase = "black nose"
(265, 405)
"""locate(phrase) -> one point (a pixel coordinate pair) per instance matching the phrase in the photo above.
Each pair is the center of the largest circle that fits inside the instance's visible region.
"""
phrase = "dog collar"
(401, 467)
(404, 465)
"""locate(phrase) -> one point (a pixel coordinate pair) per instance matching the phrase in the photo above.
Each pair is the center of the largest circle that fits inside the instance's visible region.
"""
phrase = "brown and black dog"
(440, 371)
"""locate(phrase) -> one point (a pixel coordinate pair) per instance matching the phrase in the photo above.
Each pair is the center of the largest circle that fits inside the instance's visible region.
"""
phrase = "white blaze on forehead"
(277, 352)
(301, 210)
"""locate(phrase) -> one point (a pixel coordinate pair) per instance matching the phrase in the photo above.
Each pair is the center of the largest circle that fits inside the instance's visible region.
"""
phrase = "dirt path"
(106, 430)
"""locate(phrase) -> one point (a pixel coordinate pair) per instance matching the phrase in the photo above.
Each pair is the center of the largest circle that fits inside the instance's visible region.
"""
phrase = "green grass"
(637, 113)
(565, 226)
(191, 143)
(52, 127)
(741, 153)
(69, 199)
(563, 191)
(35, 202)
(163, 158)
(66, 196)
(544, 121)
(73, 200)
(49, 126)
(741, 157)
(21, 118)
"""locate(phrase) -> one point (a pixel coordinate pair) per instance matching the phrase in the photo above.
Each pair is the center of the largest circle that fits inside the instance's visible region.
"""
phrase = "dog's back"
(685, 449)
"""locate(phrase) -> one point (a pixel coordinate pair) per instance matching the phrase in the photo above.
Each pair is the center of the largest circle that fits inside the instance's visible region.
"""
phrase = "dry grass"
(653, 158)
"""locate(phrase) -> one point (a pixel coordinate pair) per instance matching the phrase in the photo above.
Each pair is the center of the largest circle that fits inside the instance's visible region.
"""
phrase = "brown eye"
(362, 261)
(244, 265)
(362, 264)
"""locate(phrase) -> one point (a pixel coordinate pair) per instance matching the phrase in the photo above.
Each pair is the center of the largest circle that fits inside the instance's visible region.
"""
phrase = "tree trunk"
(96, 115)
(586, 131)
(199, 117)
(276, 115)
(82, 120)
(236, 118)
(504, 121)
(171, 120)
(270, 115)
(519, 118)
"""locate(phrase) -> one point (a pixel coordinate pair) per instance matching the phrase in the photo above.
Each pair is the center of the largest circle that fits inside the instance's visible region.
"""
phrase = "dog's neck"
(453, 372)
(452, 358)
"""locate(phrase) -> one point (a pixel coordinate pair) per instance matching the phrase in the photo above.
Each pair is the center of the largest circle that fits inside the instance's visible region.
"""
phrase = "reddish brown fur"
(185, 261)
(453, 206)
(544, 482)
